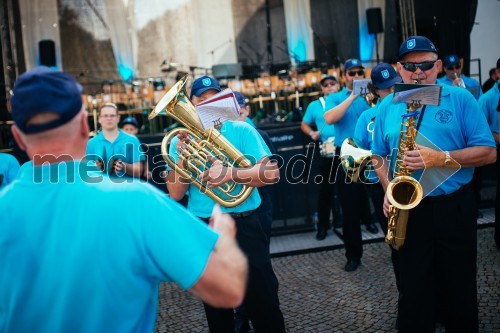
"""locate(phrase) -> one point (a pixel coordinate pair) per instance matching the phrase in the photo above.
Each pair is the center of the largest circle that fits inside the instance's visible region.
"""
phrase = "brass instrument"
(461, 82)
(354, 160)
(403, 192)
(204, 147)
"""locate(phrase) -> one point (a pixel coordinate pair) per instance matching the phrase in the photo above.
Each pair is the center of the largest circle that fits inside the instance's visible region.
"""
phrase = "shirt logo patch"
(410, 44)
(385, 74)
(206, 82)
(444, 116)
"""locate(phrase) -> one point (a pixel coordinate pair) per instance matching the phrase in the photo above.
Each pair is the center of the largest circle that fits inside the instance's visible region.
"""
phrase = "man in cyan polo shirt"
(437, 263)
(71, 258)
(343, 111)
(454, 77)
(115, 152)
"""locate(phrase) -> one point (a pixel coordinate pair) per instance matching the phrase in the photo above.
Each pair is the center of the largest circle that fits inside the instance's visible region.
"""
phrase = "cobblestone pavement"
(317, 295)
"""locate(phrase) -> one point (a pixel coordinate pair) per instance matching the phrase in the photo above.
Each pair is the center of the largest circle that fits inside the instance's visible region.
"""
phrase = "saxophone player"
(439, 256)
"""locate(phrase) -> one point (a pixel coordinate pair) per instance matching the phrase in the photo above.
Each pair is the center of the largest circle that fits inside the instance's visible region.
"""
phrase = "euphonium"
(403, 191)
(204, 147)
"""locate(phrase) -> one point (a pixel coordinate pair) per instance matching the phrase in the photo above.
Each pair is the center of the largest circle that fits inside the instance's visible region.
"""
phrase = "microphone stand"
(218, 47)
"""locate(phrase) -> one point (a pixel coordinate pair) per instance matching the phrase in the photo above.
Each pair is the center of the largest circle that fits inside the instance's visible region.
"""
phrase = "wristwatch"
(447, 160)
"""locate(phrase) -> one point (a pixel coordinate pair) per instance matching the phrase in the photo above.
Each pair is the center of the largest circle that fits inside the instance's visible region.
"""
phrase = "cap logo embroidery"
(410, 44)
(354, 62)
(385, 74)
(206, 82)
(452, 59)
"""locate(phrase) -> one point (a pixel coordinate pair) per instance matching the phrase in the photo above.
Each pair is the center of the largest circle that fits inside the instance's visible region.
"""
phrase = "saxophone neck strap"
(421, 116)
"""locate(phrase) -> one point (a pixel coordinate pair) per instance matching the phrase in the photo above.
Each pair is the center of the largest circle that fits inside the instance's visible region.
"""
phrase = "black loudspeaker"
(374, 18)
(47, 49)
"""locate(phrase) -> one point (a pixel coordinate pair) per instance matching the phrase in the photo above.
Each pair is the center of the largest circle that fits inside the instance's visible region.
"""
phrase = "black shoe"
(372, 228)
(352, 265)
(321, 234)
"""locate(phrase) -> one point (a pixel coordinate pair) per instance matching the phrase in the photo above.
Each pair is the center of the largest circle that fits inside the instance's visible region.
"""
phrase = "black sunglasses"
(454, 67)
(353, 73)
(424, 66)
(331, 84)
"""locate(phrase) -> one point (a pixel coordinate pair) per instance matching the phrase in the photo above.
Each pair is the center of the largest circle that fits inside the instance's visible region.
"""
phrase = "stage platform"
(317, 295)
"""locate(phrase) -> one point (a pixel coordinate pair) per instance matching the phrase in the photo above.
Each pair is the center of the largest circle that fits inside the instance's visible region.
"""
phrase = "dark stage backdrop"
(250, 24)
(336, 30)
(90, 60)
(448, 23)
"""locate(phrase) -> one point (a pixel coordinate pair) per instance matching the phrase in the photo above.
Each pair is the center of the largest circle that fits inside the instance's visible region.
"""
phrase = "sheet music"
(221, 107)
(360, 87)
(426, 94)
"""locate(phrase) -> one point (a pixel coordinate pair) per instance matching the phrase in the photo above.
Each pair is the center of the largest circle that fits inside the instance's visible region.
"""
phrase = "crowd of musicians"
(92, 266)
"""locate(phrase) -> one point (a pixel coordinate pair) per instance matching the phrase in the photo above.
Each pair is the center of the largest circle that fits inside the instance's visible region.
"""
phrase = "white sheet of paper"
(360, 87)
(218, 109)
(426, 94)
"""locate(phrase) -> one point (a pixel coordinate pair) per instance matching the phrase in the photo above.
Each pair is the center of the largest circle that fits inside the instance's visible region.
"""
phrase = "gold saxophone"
(205, 146)
(403, 191)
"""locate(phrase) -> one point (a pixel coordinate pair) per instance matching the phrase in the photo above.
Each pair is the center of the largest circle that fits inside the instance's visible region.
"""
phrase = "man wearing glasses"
(114, 151)
(314, 116)
(453, 70)
(437, 263)
(344, 109)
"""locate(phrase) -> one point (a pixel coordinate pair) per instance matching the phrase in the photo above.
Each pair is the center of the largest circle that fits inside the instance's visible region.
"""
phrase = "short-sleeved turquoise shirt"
(456, 123)
(363, 136)
(489, 103)
(315, 115)
(249, 142)
(126, 147)
(9, 167)
(344, 128)
(469, 83)
(85, 254)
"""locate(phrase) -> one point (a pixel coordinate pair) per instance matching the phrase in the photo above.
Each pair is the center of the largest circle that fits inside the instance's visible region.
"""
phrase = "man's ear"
(84, 128)
(18, 137)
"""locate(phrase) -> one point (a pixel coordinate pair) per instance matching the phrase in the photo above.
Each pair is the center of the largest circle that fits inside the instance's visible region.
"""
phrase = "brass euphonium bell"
(204, 147)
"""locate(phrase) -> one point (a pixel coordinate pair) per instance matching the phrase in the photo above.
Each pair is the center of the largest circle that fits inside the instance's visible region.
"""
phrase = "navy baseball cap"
(328, 77)
(451, 60)
(384, 76)
(202, 84)
(45, 90)
(240, 98)
(416, 43)
(131, 121)
(498, 63)
(351, 63)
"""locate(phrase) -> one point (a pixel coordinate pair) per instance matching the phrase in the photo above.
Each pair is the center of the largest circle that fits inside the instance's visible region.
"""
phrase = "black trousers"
(261, 297)
(438, 264)
(377, 195)
(328, 170)
(352, 198)
(497, 201)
